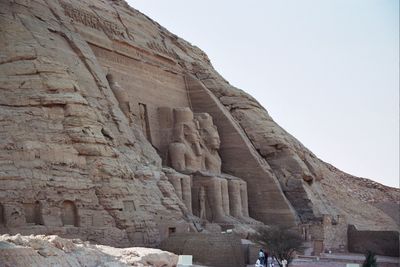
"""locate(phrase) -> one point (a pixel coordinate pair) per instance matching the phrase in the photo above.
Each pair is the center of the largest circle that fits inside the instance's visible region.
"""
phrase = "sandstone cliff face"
(64, 138)
(88, 152)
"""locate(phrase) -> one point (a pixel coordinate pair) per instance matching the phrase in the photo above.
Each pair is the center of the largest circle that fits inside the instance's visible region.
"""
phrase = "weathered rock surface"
(84, 139)
(52, 250)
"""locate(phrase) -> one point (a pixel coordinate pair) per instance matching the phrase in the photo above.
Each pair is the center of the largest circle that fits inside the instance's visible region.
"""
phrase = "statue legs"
(225, 195)
(186, 185)
(182, 185)
(217, 198)
(235, 198)
(244, 199)
(214, 192)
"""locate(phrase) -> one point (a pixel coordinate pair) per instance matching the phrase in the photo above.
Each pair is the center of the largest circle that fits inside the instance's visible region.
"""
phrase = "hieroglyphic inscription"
(143, 54)
(128, 57)
(91, 20)
(160, 49)
(112, 56)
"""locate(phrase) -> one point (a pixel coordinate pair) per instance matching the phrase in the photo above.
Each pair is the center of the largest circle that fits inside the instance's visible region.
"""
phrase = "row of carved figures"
(193, 151)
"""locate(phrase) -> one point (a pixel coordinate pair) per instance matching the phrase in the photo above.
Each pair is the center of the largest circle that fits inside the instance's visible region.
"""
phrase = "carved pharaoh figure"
(121, 96)
(235, 201)
(185, 151)
(194, 151)
(210, 137)
(202, 203)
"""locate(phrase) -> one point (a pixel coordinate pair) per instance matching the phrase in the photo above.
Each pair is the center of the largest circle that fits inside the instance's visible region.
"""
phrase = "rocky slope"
(67, 140)
(55, 251)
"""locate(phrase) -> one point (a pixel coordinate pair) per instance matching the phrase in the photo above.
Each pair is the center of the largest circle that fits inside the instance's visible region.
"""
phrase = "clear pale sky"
(326, 71)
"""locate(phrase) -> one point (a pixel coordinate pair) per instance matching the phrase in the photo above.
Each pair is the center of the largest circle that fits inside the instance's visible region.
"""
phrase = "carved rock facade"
(115, 130)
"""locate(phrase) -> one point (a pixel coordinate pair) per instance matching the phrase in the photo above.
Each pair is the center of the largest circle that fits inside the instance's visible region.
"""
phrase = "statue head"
(208, 131)
(186, 129)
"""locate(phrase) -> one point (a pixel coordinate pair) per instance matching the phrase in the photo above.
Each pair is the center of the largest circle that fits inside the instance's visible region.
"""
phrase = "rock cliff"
(88, 90)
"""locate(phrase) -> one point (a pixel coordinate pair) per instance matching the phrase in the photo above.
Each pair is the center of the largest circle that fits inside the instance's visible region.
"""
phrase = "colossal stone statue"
(182, 184)
(194, 150)
(121, 96)
(237, 204)
(210, 137)
(185, 151)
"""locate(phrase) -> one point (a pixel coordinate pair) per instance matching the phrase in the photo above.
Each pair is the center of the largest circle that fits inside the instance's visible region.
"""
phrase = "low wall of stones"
(219, 250)
(381, 242)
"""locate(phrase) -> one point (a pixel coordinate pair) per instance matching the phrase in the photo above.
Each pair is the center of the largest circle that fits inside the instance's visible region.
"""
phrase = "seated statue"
(185, 151)
(215, 197)
(234, 189)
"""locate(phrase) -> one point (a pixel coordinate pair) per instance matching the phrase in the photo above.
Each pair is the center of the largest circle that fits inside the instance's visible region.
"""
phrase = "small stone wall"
(381, 242)
(219, 250)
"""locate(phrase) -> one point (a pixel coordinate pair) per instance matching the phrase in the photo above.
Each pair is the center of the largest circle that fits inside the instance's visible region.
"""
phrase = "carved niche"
(32, 213)
(69, 214)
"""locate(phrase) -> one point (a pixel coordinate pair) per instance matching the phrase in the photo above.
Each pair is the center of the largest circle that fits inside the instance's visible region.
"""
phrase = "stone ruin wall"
(381, 242)
(208, 249)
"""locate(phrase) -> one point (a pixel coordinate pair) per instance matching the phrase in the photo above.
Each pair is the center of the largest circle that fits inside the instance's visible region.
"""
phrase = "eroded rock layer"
(93, 144)
(52, 250)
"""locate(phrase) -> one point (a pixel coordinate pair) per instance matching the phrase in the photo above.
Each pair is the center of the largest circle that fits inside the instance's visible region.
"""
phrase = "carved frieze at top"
(93, 21)
(161, 49)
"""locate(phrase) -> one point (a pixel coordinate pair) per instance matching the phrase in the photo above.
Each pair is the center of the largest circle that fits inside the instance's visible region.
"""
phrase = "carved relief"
(202, 203)
(185, 151)
(91, 20)
(127, 55)
(209, 134)
(194, 150)
(161, 49)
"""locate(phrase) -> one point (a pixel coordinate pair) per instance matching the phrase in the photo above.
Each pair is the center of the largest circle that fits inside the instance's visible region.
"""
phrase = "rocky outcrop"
(52, 250)
(65, 141)
(85, 137)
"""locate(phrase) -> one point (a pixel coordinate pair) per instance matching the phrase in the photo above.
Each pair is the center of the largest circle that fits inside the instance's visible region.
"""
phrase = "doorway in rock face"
(33, 213)
(318, 247)
(171, 230)
(144, 120)
(69, 214)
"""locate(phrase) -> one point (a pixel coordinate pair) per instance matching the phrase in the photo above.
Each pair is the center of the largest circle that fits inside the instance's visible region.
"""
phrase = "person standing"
(261, 257)
(266, 258)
